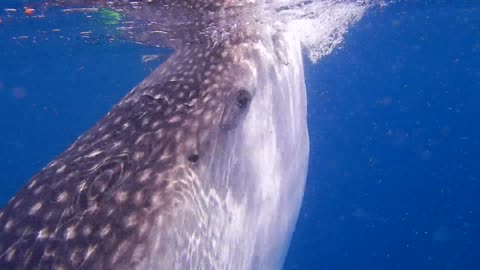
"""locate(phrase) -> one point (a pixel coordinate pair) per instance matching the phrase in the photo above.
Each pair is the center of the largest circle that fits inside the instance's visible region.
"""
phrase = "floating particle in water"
(80, 10)
(19, 92)
(152, 57)
(29, 11)
(21, 37)
(85, 34)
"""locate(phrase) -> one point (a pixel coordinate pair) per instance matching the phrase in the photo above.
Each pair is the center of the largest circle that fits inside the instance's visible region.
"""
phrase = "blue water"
(394, 177)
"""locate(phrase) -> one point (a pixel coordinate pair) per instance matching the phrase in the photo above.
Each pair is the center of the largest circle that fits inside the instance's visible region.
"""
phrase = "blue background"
(393, 115)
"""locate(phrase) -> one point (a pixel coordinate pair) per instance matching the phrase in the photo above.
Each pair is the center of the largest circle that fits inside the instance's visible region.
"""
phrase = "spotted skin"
(95, 206)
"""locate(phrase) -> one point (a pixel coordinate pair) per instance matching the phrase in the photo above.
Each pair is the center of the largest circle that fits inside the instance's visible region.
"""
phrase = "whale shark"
(201, 166)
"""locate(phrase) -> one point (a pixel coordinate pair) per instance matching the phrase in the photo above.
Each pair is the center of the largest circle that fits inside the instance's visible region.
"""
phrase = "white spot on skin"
(81, 187)
(138, 156)
(32, 184)
(156, 199)
(48, 216)
(70, 233)
(53, 163)
(138, 198)
(8, 225)
(155, 124)
(87, 230)
(207, 117)
(190, 143)
(61, 169)
(121, 197)
(166, 155)
(17, 203)
(139, 139)
(168, 111)
(198, 111)
(75, 257)
(104, 231)
(27, 230)
(94, 153)
(10, 255)
(207, 98)
(48, 253)
(93, 207)
(130, 221)
(117, 144)
(110, 211)
(179, 135)
(42, 234)
(144, 175)
(59, 267)
(213, 103)
(175, 119)
(70, 175)
(106, 136)
(90, 251)
(143, 228)
(62, 197)
(35, 208)
(38, 190)
(117, 120)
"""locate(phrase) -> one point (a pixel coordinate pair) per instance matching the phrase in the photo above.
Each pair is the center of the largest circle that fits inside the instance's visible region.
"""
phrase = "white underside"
(276, 151)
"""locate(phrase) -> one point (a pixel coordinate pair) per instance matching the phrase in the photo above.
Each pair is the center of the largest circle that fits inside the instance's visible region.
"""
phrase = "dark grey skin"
(97, 203)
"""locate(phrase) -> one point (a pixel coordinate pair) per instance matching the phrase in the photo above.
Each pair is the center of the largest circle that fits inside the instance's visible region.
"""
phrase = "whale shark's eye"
(243, 98)
(193, 158)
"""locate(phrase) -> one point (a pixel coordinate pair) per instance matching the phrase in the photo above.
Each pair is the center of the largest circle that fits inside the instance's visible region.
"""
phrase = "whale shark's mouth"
(203, 164)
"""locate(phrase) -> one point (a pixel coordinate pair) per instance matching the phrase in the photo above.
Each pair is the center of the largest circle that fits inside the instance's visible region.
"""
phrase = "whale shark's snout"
(201, 166)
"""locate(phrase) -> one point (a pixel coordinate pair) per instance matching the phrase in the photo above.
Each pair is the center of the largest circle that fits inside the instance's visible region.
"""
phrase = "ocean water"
(393, 179)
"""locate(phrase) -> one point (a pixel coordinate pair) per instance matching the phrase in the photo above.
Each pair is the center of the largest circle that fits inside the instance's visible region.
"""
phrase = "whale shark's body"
(201, 166)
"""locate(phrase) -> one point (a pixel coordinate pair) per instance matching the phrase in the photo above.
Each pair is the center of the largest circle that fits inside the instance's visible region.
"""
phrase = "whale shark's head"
(201, 166)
